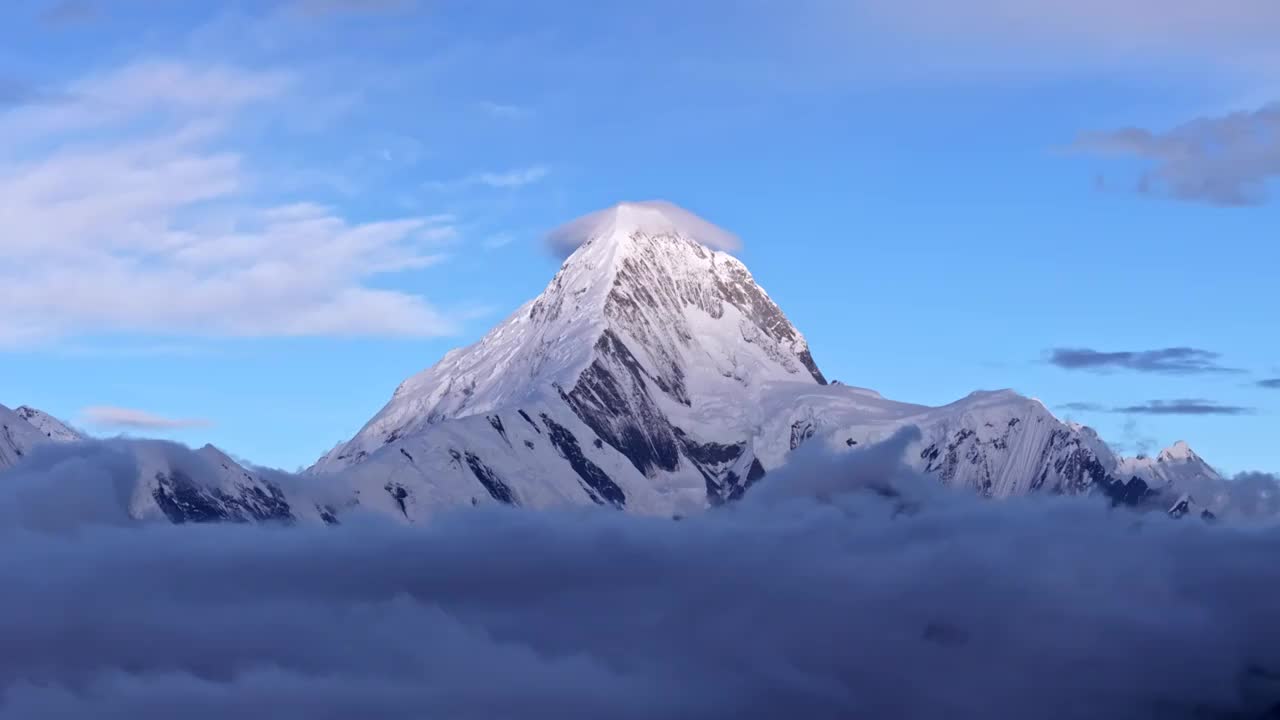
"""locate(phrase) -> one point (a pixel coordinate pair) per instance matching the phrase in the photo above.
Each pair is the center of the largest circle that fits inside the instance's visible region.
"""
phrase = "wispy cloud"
(1270, 383)
(1169, 361)
(142, 217)
(513, 178)
(493, 242)
(505, 111)
(119, 418)
(1183, 407)
(505, 180)
(1225, 160)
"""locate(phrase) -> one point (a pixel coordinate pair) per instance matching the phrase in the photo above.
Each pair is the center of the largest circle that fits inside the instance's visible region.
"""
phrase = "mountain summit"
(660, 346)
(654, 374)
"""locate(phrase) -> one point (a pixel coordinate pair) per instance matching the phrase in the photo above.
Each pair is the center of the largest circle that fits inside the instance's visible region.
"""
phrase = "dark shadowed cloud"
(814, 598)
(1270, 383)
(1184, 407)
(1222, 160)
(1170, 361)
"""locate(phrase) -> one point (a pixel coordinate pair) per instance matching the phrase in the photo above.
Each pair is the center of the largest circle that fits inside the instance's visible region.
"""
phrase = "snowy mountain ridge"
(655, 375)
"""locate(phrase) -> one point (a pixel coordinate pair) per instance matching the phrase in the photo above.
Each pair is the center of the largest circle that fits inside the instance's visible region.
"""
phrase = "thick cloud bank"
(843, 588)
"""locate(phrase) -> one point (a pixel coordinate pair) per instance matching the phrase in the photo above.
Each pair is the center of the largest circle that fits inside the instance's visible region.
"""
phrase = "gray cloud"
(1169, 361)
(1183, 407)
(1223, 160)
(813, 599)
(1270, 383)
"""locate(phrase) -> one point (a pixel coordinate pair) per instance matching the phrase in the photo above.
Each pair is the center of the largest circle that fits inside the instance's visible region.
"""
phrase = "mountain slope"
(654, 375)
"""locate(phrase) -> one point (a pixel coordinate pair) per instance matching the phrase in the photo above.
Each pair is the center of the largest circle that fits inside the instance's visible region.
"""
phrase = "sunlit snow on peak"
(650, 217)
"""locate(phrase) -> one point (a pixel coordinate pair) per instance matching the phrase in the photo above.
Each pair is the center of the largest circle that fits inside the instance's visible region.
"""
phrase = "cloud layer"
(844, 588)
(127, 210)
(1169, 361)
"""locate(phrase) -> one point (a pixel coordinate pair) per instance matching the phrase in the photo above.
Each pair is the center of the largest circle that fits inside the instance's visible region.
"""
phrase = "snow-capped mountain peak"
(642, 314)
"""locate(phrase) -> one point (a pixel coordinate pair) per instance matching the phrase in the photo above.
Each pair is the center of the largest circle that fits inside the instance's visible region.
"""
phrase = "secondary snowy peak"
(643, 320)
(17, 437)
(1178, 470)
(1178, 452)
(52, 427)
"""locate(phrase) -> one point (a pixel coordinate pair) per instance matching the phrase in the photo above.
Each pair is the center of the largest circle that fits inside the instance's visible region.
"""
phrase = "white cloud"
(127, 209)
(118, 418)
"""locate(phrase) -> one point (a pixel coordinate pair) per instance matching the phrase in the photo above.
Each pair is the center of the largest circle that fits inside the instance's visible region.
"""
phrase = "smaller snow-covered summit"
(1177, 452)
(17, 437)
(1177, 465)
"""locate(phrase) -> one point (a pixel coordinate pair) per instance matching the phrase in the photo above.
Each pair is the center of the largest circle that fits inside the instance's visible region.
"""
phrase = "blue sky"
(246, 222)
